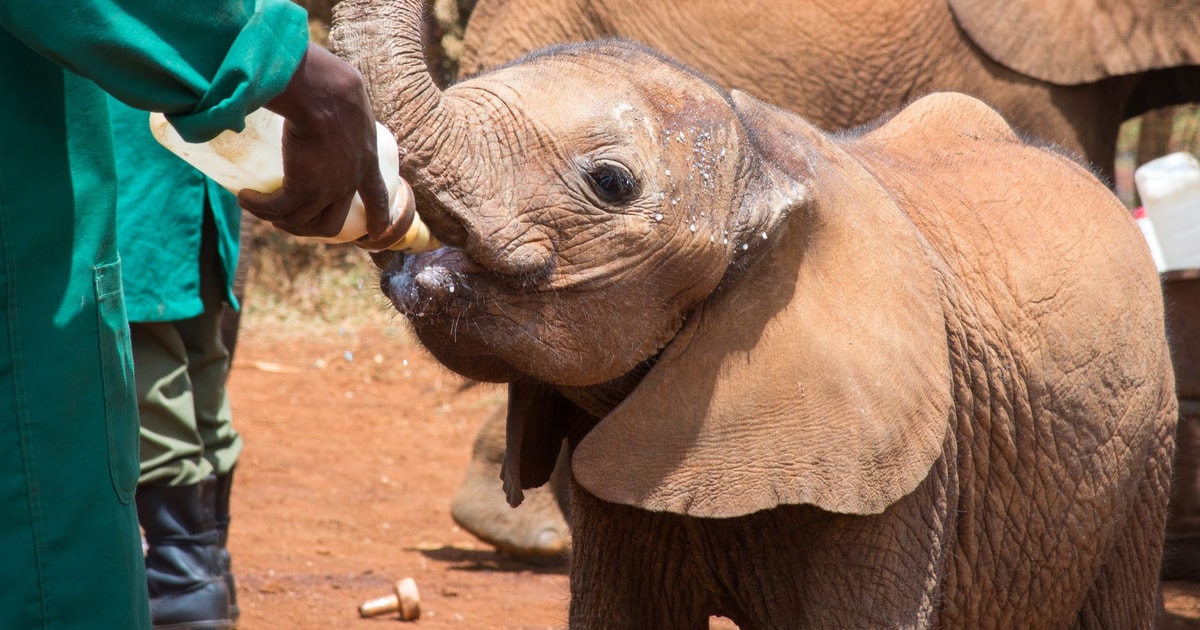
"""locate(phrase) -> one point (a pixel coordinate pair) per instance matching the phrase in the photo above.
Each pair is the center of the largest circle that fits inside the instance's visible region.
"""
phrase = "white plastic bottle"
(1170, 190)
(253, 158)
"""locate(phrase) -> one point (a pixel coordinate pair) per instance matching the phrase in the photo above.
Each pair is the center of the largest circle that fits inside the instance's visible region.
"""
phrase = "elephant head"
(582, 203)
(614, 221)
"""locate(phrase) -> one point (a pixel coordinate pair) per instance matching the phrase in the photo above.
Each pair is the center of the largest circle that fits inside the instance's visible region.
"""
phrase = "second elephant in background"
(1063, 71)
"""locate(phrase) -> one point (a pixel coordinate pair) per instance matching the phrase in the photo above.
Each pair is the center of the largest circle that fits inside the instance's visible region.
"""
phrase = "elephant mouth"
(453, 278)
(429, 284)
(442, 293)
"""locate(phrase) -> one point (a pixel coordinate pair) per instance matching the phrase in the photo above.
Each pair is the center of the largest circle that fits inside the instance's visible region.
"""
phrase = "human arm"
(207, 65)
(204, 64)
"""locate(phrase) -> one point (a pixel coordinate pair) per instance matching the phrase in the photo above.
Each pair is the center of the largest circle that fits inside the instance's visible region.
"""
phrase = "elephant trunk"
(382, 39)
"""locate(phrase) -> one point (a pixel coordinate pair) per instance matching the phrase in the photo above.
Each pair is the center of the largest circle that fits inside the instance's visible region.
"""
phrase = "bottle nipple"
(253, 158)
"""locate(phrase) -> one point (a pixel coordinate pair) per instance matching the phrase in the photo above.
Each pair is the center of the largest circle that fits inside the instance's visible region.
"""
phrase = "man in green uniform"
(68, 425)
(177, 234)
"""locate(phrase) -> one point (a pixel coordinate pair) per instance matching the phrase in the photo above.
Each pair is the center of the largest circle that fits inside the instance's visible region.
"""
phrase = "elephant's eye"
(612, 183)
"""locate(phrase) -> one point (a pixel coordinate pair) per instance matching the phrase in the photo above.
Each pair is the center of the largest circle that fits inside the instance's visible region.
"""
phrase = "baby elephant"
(910, 377)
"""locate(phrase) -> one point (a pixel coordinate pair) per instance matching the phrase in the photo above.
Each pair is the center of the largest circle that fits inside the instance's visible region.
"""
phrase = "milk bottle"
(253, 158)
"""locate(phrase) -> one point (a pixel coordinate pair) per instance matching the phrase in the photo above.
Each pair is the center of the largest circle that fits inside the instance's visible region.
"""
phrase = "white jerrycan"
(253, 158)
(1170, 190)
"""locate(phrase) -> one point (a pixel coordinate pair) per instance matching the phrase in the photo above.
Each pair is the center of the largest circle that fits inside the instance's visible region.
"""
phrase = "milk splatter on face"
(621, 109)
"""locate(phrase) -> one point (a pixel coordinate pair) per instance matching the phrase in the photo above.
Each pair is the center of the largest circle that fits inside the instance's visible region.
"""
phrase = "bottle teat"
(253, 158)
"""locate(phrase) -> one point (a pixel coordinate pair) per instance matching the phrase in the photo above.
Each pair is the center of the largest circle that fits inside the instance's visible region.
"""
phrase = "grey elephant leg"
(631, 569)
(634, 568)
(536, 528)
(1181, 559)
(1126, 591)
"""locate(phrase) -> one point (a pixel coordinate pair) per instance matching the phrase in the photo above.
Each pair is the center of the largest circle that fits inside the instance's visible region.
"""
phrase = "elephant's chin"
(435, 292)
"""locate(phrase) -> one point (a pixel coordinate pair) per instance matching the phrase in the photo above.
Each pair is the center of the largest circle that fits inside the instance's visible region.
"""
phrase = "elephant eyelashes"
(612, 183)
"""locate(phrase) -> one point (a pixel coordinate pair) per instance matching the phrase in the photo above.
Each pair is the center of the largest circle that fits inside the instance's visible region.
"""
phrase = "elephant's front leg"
(632, 569)
(787, 567)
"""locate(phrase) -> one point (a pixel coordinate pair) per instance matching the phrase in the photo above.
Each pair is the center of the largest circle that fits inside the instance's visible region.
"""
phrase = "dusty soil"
(355, 442)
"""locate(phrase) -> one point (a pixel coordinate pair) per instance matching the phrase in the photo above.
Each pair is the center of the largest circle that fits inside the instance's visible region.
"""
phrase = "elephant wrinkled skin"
(1065, 71)
(914, 376)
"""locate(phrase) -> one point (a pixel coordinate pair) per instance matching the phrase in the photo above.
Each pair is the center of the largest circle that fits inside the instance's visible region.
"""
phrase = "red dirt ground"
(354, 447)
(355, 443)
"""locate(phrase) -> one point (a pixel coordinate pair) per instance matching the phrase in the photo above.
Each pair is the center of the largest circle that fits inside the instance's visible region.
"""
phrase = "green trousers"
(180, 371)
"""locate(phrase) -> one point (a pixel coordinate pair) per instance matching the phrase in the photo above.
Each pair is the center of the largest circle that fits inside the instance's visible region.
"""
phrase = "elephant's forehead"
(662, 121)
(603, 88)
(632, 119)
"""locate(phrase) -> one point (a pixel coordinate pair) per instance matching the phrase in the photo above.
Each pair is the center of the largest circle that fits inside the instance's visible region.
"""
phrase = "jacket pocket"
(120, 398)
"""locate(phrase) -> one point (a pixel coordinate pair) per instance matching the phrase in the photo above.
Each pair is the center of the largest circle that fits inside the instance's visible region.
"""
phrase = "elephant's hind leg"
(534, 529)
(1126, 594)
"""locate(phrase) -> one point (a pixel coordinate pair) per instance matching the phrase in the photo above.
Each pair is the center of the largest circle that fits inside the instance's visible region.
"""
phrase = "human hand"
(329, 154)
(406, 205)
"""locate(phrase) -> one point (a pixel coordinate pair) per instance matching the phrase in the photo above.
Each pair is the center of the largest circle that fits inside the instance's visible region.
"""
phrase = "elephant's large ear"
(821, 376)
(1079, 41)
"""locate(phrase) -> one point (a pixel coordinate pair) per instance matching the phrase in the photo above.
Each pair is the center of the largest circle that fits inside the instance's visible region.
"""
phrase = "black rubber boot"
(224, 483)
(183, 571)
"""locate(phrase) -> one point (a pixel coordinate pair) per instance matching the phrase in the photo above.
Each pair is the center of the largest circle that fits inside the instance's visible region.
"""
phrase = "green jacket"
(160, 213)
(68, 424)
